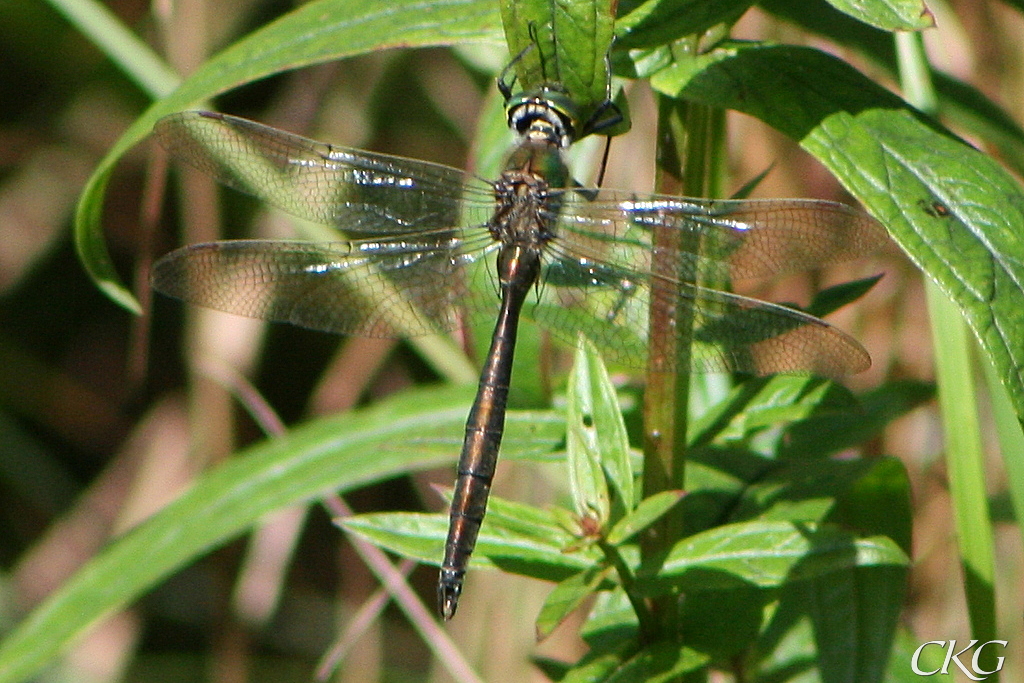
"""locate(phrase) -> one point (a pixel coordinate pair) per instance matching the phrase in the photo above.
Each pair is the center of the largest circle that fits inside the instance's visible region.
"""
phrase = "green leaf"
(598, 664)
(738, 616)
(765, 402)
(855, 613)
(619, 661)
(317, 32)
(597, 442)
(590, 496)
(801, 491)
(878, 503)
(653, 23)
(835, 297)
(658, 663)
(961, 102)
(832, 432)
(646, 513)
(764, 554)
(332, 454)
(567, 596)
(514, 537)
(570, 40)
(888, 15)
(954, 210)
(610, 617)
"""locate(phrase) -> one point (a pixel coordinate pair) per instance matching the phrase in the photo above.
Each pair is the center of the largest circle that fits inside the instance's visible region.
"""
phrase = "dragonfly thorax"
(522, 212)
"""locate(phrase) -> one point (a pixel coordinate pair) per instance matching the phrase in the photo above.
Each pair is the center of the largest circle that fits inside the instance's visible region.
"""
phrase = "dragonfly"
(417, 248)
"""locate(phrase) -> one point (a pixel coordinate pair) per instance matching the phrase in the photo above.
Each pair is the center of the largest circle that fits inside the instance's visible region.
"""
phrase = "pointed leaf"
(855, 612)
(888, 15)
(514, 537)
(835, 297)
(567, 596)
(653, 23)
(618, 660)
(765, 554)
(659, 663)
(646, 513)
(832, 432)
(765, 402)
(587, 484)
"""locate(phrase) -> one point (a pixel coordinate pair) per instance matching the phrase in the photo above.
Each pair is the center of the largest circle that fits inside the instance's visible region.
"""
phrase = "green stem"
(687, 134)
(123, 47)
(648, 626)
(957, 401)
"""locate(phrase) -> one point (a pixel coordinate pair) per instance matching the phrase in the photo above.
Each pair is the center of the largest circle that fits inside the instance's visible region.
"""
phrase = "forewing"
(734, 239)
(353, 190)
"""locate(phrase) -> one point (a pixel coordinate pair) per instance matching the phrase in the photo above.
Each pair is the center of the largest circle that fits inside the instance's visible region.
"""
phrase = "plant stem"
(685, 167)
(957, 401)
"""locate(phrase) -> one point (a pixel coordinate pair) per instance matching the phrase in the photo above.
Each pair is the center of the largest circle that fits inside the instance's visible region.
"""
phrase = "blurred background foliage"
(101, 412)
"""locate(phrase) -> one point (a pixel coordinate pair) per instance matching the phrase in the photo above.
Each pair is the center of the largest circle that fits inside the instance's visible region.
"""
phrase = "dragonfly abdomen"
(519, 268)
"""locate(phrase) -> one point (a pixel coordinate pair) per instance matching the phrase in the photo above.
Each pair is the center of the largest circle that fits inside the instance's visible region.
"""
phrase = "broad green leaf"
(855, 613)
(533, 436)
(832, 432)
(764, 554)
(610, 616)
(717, 478)
(792, 398)
(590, 496)
(889, 15)
(658, 663)
(598, 665)
(964, 104)
(317, 32)
(619, 660)
(760, 403)
(738, 617)
(564, 42)
(332, 454)
(652, 23)
(840, 626)
(954, 210)
(800, 491)
(567, 596)
(646, 513)
(879, 503)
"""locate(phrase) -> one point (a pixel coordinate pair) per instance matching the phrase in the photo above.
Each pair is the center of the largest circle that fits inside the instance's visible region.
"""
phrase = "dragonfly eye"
(538, 116)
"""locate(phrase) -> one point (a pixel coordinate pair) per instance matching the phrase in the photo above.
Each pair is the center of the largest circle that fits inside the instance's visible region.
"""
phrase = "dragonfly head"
(546, 114)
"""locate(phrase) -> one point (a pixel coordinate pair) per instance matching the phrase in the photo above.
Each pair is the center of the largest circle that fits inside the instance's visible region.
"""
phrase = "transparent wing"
(731, 333)
(380, 288)
(357, 191)
(733, 239)
(614, 252)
